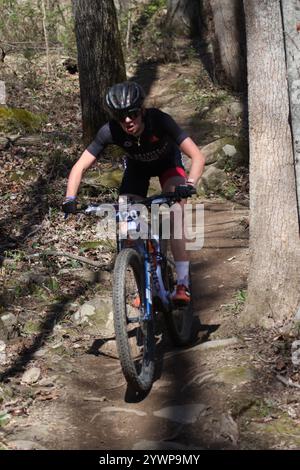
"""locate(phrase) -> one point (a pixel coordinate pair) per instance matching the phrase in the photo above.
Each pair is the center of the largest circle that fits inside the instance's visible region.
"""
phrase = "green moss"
(90, 245)
(205, 98)
(108, 244)
(242, 404)
(102, 313)
(32, 327)
(111, 179)
(6, 393)
(15, 119)
(181, 85)
(229, 190)
(52, 284)
(100, 319)
(261, 409)
(4, 418)
(107, 179)
(282, 428)
(60, 350)
(235, 375)
(148, 11)
(283, 425)
(239, 301)
(295, 329)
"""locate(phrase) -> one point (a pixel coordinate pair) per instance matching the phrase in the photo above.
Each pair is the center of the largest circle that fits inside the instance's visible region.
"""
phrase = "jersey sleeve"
(171, 128)
(102, 139)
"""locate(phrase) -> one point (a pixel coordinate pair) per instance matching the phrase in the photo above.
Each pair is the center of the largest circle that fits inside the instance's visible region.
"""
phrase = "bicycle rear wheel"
(134, 336)
(179, 320)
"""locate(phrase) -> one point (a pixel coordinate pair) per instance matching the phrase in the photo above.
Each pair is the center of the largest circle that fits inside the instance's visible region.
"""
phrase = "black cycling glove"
(69, 206)
(185, 190)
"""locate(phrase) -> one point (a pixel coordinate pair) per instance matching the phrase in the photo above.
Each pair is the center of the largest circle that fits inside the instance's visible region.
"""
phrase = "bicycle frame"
(149, 249)
(152, 259)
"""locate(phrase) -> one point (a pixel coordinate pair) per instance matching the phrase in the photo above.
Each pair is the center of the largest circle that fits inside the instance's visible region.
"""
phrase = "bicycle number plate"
(127, 216)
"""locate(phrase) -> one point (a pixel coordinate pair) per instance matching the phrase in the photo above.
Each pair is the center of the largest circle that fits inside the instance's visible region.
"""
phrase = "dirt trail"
(94, 409)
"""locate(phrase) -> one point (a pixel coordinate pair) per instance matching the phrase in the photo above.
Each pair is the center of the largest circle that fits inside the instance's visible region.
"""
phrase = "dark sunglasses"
(131, 113)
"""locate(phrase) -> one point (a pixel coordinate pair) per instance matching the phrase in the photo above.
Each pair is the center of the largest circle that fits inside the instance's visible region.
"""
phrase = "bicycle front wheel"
(134, 335)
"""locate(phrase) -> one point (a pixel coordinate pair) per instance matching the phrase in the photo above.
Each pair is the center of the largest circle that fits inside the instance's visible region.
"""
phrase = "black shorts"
(137, 175)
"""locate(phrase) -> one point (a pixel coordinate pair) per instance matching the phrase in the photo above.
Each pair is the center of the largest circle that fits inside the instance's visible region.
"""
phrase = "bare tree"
(122, 5)
(183, 16)
(228, 40)
(220, 25)
(274, 280)
(100, 59)
(46, 36)
(291, 13)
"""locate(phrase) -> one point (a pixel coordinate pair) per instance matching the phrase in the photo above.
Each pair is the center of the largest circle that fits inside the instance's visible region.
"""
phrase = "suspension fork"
(155, 260)
(148, 286)
(159, 288)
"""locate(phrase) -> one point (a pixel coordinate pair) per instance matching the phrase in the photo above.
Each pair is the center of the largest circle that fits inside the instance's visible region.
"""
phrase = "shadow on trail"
(166, 353)
(30, 215)
(146, 75)
(55, 314)
(164, 51)
(146, 72)
(172, 363)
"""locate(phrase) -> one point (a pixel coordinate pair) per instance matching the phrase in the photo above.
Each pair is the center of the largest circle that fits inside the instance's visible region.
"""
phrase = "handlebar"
(170, 198)
(181, 192)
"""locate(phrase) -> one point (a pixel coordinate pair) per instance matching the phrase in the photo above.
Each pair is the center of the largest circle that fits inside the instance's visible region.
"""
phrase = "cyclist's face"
(133, 124)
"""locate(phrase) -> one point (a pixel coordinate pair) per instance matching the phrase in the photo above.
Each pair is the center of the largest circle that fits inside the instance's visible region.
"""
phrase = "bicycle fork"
(154, 286)
(148, 288)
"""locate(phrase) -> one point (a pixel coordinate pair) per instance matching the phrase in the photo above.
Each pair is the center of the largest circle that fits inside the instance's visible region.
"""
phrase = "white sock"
(182, 272)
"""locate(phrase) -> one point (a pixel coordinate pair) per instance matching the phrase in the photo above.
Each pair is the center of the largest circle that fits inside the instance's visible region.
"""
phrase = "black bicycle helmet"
(125, 96)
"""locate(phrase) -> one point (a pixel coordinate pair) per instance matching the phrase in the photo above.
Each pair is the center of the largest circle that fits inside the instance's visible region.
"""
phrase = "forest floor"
(62, 385)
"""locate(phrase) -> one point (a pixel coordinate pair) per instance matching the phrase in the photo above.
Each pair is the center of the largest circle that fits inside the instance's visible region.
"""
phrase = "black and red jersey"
(159, 140)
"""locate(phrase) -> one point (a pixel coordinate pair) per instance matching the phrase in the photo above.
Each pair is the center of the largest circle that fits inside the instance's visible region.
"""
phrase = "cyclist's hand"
(185, 190)
(69, 206)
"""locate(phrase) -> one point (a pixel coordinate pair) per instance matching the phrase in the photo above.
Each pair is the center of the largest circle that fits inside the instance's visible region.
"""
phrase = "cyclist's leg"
(169, 181)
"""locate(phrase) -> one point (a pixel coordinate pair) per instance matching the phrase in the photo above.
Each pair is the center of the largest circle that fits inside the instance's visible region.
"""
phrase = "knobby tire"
(179, 320)
(138, 371)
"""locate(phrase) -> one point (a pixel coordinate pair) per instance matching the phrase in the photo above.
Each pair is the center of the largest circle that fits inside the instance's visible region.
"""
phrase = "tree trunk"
(291, 19)
(46, 36)
(100, 59)
(122, 5)
(274, 279)
(228, 44)
(183, 17)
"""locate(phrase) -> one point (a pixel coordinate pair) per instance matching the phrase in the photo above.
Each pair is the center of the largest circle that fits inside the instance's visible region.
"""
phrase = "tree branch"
(287, 382)
(82, 259)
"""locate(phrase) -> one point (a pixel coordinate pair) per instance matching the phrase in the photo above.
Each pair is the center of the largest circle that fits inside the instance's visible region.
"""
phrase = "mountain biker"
(153, 143)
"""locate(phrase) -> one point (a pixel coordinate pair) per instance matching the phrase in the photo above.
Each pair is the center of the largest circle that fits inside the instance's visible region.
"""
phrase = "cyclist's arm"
(89, 156)
(84, 163)
(189, 148)
(185, 143)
